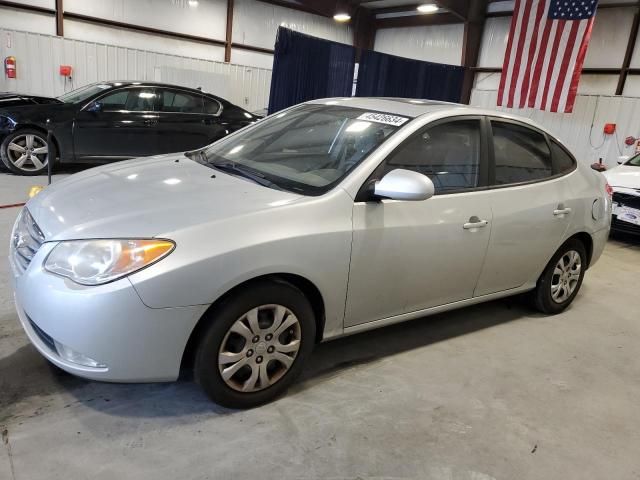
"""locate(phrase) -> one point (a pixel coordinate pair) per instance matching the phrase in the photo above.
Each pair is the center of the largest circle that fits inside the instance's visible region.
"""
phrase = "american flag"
(547, 44)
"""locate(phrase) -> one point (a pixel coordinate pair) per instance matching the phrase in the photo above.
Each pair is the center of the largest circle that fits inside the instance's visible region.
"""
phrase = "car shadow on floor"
(26, 374)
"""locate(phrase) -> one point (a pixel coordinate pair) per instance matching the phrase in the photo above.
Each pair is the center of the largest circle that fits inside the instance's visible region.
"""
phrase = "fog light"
(76, 357)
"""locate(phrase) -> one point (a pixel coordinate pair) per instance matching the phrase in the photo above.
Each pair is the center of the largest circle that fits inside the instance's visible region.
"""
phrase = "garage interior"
(491, 391)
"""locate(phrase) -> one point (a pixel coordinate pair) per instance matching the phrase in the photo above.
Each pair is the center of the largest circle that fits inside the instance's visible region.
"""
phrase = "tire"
(35, 163)
(251, 361)
(560, 282)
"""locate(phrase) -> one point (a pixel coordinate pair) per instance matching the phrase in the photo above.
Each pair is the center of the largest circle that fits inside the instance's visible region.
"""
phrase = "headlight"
(94, 262)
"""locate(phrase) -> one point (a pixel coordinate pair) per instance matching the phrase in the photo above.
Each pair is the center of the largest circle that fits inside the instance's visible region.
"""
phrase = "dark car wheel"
(255, 345)
(26, 152)
(559, 283)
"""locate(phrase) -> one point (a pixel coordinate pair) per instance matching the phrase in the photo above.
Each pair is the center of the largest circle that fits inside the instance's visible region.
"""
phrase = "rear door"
(186, 121)
(120, 124)
(531, 202)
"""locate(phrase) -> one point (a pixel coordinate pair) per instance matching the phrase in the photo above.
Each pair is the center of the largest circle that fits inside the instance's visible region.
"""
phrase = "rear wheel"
(561, 280)
(26, 152)
(256, 344)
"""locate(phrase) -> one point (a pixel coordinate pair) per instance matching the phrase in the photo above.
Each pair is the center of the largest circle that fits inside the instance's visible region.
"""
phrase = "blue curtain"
(306, 68)
(383, 75)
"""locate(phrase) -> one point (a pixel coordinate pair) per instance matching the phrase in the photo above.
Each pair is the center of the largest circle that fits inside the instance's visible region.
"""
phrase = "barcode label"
(383, 118)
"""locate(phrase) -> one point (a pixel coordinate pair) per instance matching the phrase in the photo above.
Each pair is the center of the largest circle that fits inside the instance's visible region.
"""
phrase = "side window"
(132, 99)
(521, 154)
(114, 101)
(563, 161)
(448, 153)
(211, 106)
(180, 102)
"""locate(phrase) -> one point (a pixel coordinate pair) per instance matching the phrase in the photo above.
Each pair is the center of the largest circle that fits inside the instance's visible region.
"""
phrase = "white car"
(326, 219)
(625, 182)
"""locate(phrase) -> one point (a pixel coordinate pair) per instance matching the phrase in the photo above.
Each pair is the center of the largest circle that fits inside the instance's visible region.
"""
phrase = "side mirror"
(94, 107)
(403, 184)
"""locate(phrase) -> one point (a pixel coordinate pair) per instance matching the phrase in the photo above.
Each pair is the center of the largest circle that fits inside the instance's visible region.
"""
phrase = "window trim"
(363, 194)
(492, 159)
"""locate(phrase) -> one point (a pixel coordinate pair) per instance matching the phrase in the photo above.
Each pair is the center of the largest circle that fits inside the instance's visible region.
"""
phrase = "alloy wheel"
(259, 348)
(28, 152)
(566, 276)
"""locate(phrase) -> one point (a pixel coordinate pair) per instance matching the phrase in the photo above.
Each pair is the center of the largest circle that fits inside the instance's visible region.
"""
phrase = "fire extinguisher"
(10, 67)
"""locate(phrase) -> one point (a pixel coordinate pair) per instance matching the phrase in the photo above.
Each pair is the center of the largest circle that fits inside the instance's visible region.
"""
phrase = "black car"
(111, 121)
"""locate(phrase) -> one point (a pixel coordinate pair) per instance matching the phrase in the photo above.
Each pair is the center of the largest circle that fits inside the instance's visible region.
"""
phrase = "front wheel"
(26, 152)
(561, 280)
(255, 345)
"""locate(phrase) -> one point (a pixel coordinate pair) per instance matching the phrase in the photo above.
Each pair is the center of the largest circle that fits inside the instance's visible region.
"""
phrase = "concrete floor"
(494, 391)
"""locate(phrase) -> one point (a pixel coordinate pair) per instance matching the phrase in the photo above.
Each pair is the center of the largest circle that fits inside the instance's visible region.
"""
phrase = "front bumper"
(108, 323)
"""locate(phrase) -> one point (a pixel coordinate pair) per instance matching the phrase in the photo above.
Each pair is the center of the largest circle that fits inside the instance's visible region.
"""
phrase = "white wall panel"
(632, 86)
(126, 38)
(207, 19)
(609, 38)
(635, 58)
(441, 43)
(256, 23)
(253, 59)
(39, 57)
(494, 42)
(597, 84)
(581, 130)
(34, 22)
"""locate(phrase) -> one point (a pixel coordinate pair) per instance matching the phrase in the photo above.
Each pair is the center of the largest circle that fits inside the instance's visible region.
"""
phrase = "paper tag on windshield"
(383, 118)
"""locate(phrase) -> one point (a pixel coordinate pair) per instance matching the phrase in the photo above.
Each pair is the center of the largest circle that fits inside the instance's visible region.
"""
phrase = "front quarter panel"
(310, 237)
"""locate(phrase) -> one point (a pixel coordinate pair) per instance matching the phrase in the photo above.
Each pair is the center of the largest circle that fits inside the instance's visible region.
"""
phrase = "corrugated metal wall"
(582, 130)
(39, 57)
(441, 43)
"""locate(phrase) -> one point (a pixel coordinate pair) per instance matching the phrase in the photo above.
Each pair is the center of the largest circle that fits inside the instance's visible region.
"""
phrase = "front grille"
(46, 339)
(626, 199)
(26, 240)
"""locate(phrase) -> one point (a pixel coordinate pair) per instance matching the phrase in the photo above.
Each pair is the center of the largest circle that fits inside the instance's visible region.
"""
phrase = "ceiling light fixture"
(193, 3)
(428, 8)
(342, 17)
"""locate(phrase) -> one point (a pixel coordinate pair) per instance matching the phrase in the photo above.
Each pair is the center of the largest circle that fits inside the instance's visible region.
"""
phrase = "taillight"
(608, 189)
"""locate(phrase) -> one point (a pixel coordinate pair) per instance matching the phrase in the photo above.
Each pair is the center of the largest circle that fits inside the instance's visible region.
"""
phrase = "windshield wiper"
(235, 169)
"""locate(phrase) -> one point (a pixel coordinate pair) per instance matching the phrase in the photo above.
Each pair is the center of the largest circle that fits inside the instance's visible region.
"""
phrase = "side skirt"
(383, 322)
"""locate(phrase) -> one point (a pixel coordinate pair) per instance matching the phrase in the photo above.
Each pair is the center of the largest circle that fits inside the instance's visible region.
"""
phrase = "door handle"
(561, 211)
(475, 222)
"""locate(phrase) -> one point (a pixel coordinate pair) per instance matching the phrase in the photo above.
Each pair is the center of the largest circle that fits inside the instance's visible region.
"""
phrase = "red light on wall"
(609, 128)
(66, 70)
(629, 141)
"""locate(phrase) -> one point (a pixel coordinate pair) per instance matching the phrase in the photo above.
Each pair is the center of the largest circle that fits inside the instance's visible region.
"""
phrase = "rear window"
(563, 161)
(521, 154)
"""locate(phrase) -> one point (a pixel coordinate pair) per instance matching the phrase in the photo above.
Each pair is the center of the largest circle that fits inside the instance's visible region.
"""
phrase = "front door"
(532, 207)
(408, 256)
(121, 124)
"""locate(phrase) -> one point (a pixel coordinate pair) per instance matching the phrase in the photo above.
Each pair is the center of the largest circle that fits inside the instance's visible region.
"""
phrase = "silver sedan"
(326, 219)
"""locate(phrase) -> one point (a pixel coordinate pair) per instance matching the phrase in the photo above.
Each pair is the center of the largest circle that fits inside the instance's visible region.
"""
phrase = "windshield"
(308, 149)
(83, 93)
(634, 161)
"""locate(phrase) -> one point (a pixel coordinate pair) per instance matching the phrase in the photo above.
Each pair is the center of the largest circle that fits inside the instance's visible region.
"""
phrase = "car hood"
(147, 198)
(17, 99)
(625, 176)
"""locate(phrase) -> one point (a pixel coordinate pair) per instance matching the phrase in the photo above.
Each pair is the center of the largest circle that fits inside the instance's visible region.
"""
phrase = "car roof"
(416, 107)
(128, 83)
